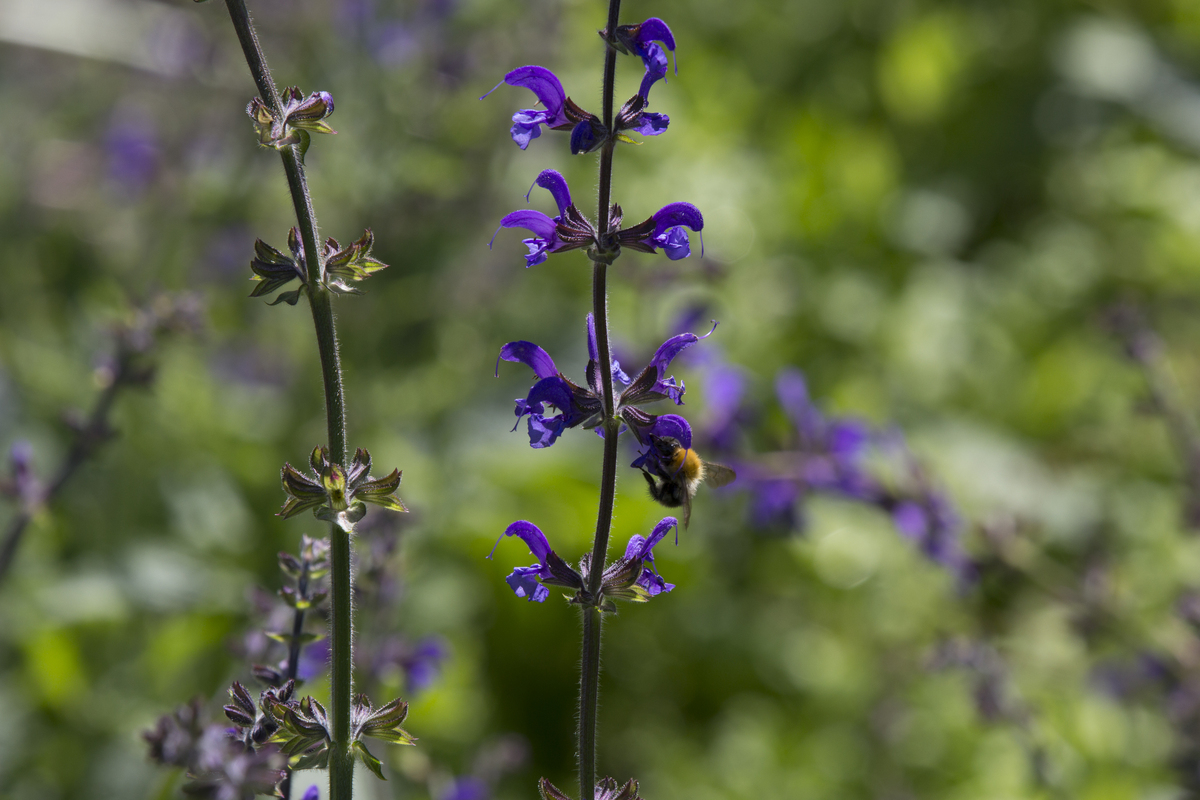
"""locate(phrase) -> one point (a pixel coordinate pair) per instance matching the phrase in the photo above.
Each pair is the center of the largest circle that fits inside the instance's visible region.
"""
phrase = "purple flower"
(632, 577)
(642, 40)
(634, 117)
(665, 229)
(530, 582)
(570, 230)
(774, 503)
(560, 113)
(642, 548)
(578, 405)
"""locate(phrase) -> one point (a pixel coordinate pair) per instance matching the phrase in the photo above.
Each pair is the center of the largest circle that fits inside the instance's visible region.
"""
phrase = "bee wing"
(718, 475)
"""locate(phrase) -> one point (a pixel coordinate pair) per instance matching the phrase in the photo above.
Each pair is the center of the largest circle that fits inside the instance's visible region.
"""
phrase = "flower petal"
(674, 214)
(556, 184)
(532, 536)
(546, 85)
(673, 347)
(675, 427)
(530, 355)
(542, 226)
(655, 30)
(651, 124)
(524, 583)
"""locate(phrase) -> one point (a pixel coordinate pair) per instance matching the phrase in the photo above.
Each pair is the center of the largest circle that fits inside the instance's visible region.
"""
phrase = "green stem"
(589, 678)
(341, 762)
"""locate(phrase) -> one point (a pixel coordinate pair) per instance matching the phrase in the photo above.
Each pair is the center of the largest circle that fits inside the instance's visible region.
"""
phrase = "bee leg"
(655, 491)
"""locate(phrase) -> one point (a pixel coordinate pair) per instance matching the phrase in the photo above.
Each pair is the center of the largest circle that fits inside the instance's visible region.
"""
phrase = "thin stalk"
(589, 679)
(87, 440)
(341, 763)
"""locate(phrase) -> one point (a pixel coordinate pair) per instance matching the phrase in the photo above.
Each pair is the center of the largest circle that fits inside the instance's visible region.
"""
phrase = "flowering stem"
(341, 763)
(589, 679)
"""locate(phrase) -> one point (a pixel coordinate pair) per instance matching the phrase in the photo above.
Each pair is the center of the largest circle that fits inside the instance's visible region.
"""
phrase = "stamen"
(497, 544)
(494, 88)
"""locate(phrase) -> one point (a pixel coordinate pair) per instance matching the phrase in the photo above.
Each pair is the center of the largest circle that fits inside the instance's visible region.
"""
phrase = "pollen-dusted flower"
(338, 495)
(665, 229)
(577, 404)
(570, 230)
(301, 116)
(560, 112)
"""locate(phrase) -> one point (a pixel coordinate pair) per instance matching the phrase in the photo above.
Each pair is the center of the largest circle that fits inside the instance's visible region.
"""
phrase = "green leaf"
(371, 761)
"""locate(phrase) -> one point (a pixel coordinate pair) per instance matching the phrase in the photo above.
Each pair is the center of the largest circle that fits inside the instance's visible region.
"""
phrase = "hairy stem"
(341, 763)
(589, 680)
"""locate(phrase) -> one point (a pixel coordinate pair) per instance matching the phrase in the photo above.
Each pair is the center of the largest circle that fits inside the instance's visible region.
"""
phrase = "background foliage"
(929, 207)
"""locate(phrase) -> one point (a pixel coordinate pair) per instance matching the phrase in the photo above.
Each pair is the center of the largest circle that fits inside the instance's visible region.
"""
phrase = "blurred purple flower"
(131, 144)
(467, 788)
(394, 43)
(420, 662)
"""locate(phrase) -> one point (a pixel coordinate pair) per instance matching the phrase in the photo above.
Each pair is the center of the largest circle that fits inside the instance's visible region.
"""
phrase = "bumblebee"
(679, 473)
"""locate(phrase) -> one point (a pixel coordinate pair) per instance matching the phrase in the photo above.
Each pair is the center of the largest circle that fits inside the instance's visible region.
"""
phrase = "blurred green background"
(925, 205)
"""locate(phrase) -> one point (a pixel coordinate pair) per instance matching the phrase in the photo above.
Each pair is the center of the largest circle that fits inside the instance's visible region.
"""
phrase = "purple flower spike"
(313, 793)
(662, 359)
(549, 91)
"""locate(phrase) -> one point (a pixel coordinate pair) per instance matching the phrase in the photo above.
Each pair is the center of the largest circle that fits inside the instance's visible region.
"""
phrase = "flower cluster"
(336, 494)
(219, 765)
(632, 577)
(341, 267)
(588, 132)
(834, 456)
(571, 230)
(301, 116)
(578, 405)
(304, 729)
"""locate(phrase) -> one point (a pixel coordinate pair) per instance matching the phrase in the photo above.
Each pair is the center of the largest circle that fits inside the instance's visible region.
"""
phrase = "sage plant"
(338, 486)
(610, 402)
